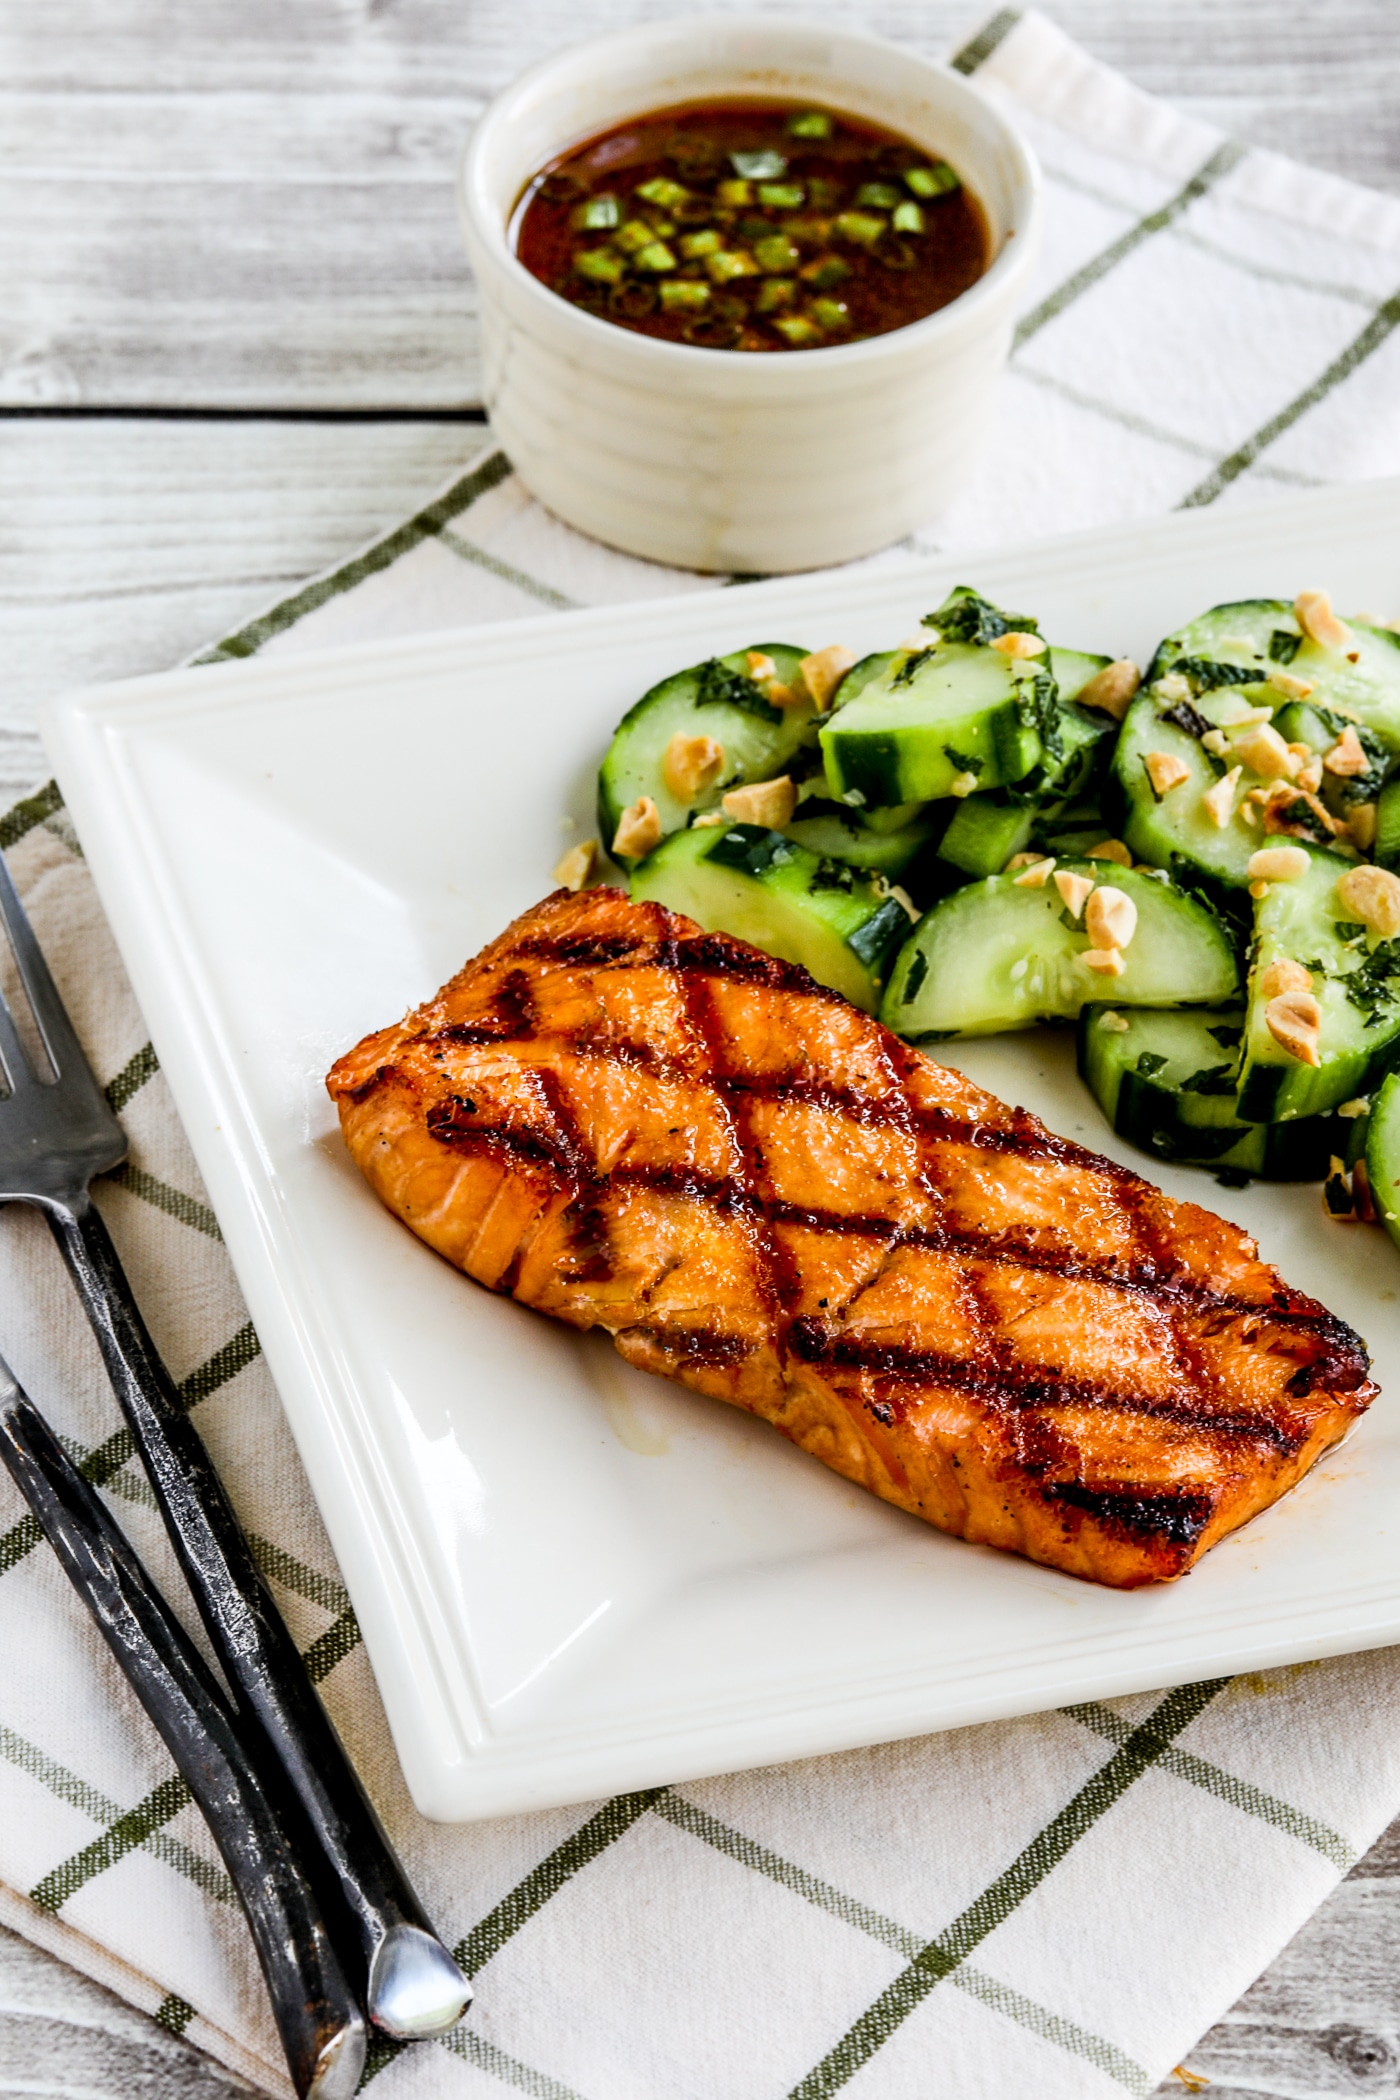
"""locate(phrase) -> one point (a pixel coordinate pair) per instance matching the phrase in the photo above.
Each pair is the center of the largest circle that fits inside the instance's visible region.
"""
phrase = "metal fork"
(54, 1137)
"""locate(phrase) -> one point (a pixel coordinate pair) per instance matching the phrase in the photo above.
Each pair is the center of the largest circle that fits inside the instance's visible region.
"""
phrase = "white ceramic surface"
(711, 459)
(573, 1578)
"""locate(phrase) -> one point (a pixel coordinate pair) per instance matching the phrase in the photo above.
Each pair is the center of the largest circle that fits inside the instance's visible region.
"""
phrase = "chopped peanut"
(1111, 849)
(1034, 878)
(917, 643)
(824, 669)
(962, 785)
(1284, 682)
(1023, 860)
(779, 695)
(1112, 688)
(1073, 889)
(1110, 918)
(1363, 825)
(1108, 962)
(1347, 758)
(711, 817)
(1250, 815)
(1173, 687)
(1283, 975)
(1114, 1023)
(1238, 716)
(1278, 864)
(1294, 1020)
(1265, 753)
(1216, 742)
(639, 830)
(691, 764)
(761, 667)
(575, 869)
(1318, 621)
(1360, 1104)
(1361, 1194)
(1165, 771)
(1372, 895)
(1019, 646)
(1281, 817)
(1218, 802)
(1259, 891)
(769, 802)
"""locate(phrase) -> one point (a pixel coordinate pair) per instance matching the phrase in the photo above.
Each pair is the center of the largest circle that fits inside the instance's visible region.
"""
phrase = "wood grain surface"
(247, 207)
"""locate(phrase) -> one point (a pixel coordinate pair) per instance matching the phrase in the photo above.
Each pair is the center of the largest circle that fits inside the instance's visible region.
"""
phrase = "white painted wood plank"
(125, 546)
(260, 207)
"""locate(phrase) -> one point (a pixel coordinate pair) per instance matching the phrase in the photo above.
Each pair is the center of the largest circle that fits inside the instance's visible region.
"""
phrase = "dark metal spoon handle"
(317, 2017)
(411, 1984)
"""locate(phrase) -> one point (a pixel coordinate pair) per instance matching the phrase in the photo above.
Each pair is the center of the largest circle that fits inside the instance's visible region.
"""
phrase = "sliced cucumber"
(1165, 1080)
(996, 955)
(760, 886)
(1302, 922)
(1383, 1155)
(834, 832)
(1072, 669)
(985, 830)
(930, 719)
(1259, 634)
(1387, 846)
(759, 741)
(860, 675)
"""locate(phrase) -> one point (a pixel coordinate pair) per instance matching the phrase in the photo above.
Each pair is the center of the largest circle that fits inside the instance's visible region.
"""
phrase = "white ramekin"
(713, 459)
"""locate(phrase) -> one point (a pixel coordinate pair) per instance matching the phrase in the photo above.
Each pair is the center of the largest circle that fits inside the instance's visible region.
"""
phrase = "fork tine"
(18, 1069)
(60, 1039)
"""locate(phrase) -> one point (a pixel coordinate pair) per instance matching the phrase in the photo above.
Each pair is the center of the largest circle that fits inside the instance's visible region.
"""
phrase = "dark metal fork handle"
(315, 2010)
(415, 1989)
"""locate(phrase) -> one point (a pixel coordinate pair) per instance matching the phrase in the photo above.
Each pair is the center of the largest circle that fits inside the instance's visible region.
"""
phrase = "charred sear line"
(377, 1079)
(694, 1345)
(1179, 1519)
(1004, 1383)
(453, 1122)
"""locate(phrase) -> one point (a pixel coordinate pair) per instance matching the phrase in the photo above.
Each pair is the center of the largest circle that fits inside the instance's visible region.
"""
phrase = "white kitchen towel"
(1056, 1906)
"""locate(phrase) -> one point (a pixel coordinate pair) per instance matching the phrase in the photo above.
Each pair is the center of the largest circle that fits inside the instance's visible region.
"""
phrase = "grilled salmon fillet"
(629, 1123)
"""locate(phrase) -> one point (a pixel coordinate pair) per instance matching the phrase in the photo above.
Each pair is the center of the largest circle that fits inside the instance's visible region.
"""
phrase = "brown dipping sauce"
(752, 226)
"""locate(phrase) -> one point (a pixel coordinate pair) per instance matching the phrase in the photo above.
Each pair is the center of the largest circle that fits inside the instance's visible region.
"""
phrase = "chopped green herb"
(707, 242)
(596, 215)
(1233, 1178)
(735, 194)
(655, 256)
(765, 165)
(602, 265)
(1227, 1037)
(908, 217)
(831, 314)
(834, 875)
(776, 255)
(1337, 1196)
(914, 982)
(963, 762)
(809, 124)
(911, 667)
(661, 190)
(826, 272)
(1185, 716)
(1215, 1079)
(880, 196)
(1205, 673)
(965, 617)
(823, 193)
(1150, 1063)
(721, 687)
(685, 296)
(932, 182)
(781, 196)
(859, 226)
(635, 236)
(774, 294)
(798, 329)
(1283, 646)
(1371, 986)
(1347, 930)
(730, 262)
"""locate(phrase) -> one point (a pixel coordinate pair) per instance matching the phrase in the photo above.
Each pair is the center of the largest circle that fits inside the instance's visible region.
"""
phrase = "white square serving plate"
(572, 1578)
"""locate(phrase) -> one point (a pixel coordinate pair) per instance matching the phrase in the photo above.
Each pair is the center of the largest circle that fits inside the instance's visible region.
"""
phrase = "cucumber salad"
(981, 830)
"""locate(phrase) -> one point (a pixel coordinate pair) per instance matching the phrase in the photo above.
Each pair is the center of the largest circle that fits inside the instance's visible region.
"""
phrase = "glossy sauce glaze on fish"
(628, 1123)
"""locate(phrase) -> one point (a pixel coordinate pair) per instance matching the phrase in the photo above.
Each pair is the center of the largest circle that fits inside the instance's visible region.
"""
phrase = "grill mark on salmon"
(629, 1123)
